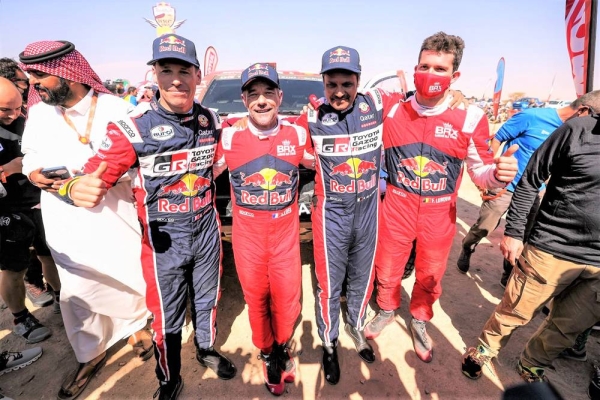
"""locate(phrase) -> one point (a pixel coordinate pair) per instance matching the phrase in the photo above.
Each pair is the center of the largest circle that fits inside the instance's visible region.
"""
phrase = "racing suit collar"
(156, 106)
(430, 111)
(264, 134)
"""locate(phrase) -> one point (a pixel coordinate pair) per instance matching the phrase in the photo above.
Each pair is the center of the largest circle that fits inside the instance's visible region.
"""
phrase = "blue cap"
(259, 70)
(174, 46)
(341, 57)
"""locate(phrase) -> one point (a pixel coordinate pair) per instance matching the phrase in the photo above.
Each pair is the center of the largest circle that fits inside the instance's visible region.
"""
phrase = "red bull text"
(266, 198)
(355, 186)
(189, 204)
(419, 183)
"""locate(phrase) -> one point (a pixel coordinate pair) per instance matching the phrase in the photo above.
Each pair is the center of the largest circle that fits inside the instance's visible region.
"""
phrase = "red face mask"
(431, 85)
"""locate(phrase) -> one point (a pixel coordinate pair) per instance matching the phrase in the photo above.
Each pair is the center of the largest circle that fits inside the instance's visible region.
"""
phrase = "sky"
(115, 39)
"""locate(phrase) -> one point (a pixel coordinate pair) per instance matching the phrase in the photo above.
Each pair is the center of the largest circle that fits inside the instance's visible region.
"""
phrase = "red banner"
(577, 19)
(210, 60)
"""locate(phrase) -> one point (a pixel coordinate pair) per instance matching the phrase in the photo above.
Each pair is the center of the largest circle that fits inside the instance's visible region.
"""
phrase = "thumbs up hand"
(89, 190)
(506, 165)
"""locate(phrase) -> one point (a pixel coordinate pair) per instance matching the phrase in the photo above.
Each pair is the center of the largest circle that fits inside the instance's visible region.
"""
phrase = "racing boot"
(331, 365)
(287, 364)
(272, 372)
(221, 365)
(376, 325)
(365, 351)
(169, 390)
(421, 340)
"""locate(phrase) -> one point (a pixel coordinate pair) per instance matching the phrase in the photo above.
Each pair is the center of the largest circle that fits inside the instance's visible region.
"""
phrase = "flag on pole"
(211, 59)
(577, 18)
(498, 86)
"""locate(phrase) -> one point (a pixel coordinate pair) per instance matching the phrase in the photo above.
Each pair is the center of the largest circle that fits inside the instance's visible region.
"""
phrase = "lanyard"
(84, 139)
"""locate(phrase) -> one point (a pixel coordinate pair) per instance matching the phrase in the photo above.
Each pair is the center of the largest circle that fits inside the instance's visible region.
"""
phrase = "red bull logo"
(268, 179)
(255, 179)
(354, 167)
(422, 167)
(339, 52)
(258, 66)
(172, 40)
(189, 185)
(339, 55)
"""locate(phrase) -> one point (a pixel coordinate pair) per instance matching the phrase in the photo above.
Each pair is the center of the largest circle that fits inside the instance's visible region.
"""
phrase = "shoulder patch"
(216, 118)
(129, 129)
(474, 115)
(227, 137)
(300, 131)
(377, 98)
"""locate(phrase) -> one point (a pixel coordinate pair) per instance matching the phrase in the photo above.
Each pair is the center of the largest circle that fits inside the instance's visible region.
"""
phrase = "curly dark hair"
(8, 68)
(444, 43)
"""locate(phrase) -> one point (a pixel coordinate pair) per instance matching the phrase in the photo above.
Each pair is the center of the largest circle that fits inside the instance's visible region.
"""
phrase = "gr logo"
(336, 145)
(171, 163)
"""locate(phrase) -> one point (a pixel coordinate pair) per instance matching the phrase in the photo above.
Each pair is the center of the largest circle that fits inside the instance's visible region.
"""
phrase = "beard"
(56, 96)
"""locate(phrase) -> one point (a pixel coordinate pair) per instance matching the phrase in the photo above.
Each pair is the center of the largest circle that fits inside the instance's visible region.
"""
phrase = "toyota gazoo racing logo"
(422, 167)
(189, 160)
(353, 168)
(269, 180)
(190, 185)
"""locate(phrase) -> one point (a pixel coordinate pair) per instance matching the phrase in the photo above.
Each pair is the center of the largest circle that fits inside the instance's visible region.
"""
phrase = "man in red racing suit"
(425, 146)
(263, 161)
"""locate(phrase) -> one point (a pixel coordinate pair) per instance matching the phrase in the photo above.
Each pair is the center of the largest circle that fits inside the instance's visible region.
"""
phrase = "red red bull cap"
(174, 47)
(341, 57)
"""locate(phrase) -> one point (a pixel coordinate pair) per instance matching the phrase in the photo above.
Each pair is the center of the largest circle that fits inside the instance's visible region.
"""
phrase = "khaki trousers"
(538, 278)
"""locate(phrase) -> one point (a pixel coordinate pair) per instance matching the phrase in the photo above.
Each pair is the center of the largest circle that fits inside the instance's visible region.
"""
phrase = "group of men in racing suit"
(173, 144)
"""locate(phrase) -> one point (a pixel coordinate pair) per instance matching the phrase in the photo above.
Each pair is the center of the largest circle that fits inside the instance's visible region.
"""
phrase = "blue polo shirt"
(529, 129)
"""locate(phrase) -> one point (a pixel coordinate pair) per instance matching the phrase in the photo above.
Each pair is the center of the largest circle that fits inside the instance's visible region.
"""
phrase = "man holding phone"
(21, 223)
(103, 292)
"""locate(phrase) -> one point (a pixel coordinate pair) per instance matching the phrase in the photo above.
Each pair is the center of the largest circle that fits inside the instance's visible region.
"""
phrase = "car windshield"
(224, 95)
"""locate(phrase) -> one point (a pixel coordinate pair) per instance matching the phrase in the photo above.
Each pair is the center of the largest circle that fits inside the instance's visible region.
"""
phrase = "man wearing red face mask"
(426, 144)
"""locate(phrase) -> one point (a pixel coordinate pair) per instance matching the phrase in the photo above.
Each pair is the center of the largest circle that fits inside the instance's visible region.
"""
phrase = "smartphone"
(56, 172)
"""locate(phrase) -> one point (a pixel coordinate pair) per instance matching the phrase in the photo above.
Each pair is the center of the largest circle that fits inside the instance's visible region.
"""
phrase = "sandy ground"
(466, 303)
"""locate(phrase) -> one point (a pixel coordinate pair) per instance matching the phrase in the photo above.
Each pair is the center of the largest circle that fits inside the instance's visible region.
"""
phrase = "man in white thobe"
(97, 250)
